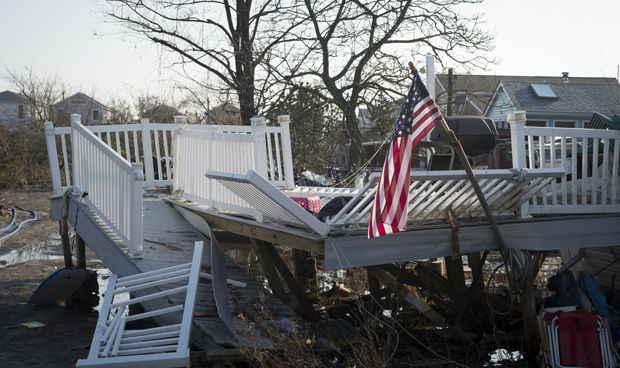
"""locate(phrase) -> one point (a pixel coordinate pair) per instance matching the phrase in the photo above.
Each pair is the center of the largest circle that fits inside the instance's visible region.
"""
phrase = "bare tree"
(155, 108)
(232, 41)
(41, 92)
(358, 49)
(119, 111)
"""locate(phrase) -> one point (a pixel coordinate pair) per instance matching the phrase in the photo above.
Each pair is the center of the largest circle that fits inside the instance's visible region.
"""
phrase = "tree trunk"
(244, 62)
(355, 137)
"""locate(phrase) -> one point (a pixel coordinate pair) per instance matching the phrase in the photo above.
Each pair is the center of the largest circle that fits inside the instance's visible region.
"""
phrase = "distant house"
(471, 93)
(553, 104)
(91, 110)
(14, 109)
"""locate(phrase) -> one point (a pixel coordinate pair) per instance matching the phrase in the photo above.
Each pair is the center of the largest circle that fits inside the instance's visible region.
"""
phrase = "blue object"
(60, 284)
(589, 286)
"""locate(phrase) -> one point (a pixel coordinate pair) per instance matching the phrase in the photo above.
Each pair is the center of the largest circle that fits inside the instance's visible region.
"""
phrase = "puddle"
(52, 250)
(39, 250)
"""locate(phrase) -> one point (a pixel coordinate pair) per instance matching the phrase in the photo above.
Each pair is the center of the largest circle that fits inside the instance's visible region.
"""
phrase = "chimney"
(564, 77)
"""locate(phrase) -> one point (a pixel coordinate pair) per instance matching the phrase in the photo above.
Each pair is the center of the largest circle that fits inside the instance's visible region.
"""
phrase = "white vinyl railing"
(232, 149)
(589, 157)
(150, 144)
(109, 182)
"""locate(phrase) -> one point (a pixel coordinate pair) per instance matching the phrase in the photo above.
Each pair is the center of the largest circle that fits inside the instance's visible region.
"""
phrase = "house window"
(20, 111)
(536, 123)
(565, 124)
(96, 115)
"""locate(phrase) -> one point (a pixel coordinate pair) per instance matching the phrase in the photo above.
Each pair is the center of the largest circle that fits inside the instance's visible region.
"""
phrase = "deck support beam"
(80, 251)
(271, 261)
(66, 245)
(407, 295)
(304, 267)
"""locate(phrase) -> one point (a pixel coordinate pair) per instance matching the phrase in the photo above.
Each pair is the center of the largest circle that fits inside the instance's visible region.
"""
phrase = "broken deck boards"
(169, 240)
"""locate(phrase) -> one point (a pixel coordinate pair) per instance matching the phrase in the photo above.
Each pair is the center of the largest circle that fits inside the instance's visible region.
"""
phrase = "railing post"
(517, 121)
(517, 138)
(75, 152)
(147, 161)
(52, 155)
(287, 153)
(135, 235)
(176, 163)
(260, 145)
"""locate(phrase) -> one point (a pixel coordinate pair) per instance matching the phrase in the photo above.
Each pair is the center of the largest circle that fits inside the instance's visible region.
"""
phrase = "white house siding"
(9, 113)
(79, 104)
(500, 106)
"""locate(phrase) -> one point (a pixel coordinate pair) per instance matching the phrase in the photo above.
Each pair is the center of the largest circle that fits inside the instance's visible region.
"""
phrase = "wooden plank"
(407, 295)
(275, 283)
(81, 251)
(255, 230)
(270, 256)
(423, 243)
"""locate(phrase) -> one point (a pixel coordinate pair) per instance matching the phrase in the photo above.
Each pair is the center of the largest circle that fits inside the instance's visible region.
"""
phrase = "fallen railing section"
(109, 182)
(589, 157)
(232, 149)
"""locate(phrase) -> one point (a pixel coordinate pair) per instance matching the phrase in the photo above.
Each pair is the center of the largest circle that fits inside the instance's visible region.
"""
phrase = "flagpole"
(508, 255)
(456, 144)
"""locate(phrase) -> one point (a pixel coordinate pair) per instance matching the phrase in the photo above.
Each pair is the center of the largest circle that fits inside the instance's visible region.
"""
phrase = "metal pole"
(456, 144)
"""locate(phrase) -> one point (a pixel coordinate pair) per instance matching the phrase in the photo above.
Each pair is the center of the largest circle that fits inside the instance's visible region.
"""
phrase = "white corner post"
(177, 181)
(135, 235)
(287, 152)
(52, 156)
(517, 121)
(147, 161)
(259, 125)
(430, 75)
(75, 151)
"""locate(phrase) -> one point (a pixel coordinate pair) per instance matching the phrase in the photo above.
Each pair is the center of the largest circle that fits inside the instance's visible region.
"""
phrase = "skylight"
(543, 91)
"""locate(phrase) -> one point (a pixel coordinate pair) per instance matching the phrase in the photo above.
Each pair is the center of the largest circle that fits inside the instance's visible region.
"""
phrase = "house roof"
(78, 95)
(571, 97)
(8, 96)
(479, 88)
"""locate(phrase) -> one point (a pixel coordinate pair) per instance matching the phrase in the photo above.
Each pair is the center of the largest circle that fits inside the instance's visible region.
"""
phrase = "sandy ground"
(67, 333)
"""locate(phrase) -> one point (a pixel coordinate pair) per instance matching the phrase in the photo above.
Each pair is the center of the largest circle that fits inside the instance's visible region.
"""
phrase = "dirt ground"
(67, 333)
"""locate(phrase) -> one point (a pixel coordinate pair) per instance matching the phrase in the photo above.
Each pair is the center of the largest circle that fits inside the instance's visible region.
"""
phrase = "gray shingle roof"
(479, 88)
(572, 97)
(8, 96)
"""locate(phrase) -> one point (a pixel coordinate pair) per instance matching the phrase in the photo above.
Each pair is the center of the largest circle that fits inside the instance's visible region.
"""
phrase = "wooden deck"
(169, 240)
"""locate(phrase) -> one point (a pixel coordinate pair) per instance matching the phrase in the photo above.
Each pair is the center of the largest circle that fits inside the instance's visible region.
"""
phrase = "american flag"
(418, 117)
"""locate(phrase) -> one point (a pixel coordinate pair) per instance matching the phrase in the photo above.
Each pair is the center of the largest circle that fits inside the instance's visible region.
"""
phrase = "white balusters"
(589, 157)
(110, 183)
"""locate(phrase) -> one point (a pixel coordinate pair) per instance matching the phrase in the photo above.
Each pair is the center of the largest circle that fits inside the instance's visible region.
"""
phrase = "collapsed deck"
(562, 193)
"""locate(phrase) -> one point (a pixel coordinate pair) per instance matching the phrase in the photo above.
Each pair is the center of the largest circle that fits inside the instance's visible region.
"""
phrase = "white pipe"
(34, 218)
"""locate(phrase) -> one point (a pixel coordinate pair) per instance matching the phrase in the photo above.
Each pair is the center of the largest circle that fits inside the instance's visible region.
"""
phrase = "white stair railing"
(150, 144)
(110, 183)
(590, 158)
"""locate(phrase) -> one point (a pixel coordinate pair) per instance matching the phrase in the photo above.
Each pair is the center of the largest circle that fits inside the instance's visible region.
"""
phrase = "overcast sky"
(71, 38)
